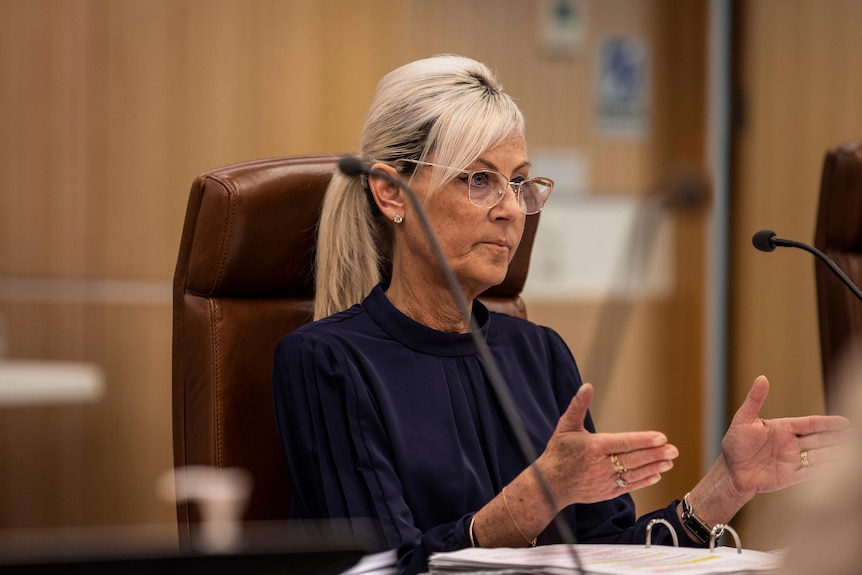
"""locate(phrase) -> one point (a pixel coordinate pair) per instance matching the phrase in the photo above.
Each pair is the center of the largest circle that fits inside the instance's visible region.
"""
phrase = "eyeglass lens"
(487, 188)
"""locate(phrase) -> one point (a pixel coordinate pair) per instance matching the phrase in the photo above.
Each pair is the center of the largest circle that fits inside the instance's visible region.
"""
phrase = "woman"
(383, 404)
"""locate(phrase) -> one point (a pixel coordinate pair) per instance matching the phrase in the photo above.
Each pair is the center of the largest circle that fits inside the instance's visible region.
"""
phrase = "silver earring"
(397, 219)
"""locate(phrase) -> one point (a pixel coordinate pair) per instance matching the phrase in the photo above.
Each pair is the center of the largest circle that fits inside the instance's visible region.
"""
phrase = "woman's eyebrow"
(491, 165)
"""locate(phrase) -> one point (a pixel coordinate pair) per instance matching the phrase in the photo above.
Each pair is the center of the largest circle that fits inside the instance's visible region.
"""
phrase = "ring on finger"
(619, 468)
(803, 456)
(620, 481)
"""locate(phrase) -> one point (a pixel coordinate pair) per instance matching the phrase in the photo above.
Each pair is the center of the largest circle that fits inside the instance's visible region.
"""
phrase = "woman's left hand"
(765, 455)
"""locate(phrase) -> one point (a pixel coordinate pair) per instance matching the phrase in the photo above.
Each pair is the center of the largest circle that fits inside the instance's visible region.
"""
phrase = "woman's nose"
(511, 202)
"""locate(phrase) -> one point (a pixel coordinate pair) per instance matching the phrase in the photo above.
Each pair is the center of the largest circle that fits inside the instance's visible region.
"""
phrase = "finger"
(820, 464)
(622, 443)
(651, 457)
(823, 439)
(750, 409)
(634, 485)
(816, 424)
(819, 471)
(823, 455)
(646, 471)
(573, 418)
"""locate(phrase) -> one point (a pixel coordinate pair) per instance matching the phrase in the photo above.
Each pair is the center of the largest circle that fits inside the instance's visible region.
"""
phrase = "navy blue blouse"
(384, 418)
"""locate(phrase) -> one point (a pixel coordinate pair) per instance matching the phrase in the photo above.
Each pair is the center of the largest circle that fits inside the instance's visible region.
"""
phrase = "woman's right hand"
(578, 466)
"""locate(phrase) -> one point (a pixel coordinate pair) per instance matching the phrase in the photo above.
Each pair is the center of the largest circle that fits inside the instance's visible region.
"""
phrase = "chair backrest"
(244, 279)
(838, 234)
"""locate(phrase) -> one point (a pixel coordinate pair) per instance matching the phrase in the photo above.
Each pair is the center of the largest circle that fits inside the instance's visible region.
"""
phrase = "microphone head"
(352, 166)
(764, 240)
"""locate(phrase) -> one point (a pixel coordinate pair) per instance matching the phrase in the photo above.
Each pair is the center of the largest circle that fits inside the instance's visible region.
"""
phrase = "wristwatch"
(695, 524)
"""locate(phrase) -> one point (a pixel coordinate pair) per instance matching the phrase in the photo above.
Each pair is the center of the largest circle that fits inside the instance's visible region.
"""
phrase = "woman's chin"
(490, 280)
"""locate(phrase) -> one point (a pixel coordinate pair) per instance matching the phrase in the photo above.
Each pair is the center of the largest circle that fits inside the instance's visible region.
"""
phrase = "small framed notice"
(622, 86)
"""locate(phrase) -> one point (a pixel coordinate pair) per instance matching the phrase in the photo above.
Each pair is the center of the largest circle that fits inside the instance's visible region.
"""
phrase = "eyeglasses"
(485, 188)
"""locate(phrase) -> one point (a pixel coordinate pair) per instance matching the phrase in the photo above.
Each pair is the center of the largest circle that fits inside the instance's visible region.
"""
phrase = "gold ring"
(619, 468)
(803, 455)
(620, 481)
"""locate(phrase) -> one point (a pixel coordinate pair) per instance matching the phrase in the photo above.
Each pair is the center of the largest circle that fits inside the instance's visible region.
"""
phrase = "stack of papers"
(604, 560)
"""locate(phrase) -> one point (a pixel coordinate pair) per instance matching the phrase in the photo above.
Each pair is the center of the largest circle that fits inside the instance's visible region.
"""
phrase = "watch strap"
(695, 524)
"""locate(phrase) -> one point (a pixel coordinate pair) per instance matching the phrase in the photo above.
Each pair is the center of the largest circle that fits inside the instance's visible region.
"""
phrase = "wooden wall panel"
(108, 111)
(110, 108)
(800, 91)
(43, 120)
(43, 447)
(556, 93)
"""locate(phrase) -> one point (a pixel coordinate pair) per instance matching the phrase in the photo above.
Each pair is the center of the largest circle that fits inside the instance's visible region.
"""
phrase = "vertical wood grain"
(800, 92)
(109, 108)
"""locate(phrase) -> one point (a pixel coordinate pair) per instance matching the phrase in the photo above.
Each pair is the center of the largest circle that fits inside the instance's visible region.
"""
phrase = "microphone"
(352, 166)
(764, 240)
(767, 241)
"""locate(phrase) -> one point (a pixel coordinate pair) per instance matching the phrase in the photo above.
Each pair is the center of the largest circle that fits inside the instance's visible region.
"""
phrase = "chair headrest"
(255, 224)
(254, 232)
(840, 197)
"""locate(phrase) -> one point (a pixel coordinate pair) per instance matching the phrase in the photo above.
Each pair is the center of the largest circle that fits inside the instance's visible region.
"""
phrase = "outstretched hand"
(765, 455)
(578, 465)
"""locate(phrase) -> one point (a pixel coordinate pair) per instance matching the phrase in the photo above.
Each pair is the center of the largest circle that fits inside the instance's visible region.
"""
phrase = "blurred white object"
(824, 519)
(40, 382)
(221, 495)
(591, 248)
(382, 563)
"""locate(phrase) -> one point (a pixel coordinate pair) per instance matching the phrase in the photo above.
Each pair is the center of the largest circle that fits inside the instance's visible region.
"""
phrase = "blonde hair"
(449, 106)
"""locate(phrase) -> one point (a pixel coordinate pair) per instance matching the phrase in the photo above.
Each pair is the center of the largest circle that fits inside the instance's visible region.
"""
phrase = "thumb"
(573, 418)
(750, 409)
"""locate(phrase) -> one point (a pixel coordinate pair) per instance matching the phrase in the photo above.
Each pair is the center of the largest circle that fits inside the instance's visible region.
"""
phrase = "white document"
(604, 560)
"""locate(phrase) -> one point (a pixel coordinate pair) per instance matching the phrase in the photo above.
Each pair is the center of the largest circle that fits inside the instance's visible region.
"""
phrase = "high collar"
(420, 337)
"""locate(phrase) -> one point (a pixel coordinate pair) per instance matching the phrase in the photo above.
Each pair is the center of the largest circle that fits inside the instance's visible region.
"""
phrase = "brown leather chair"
(244, 280)
(838, 234)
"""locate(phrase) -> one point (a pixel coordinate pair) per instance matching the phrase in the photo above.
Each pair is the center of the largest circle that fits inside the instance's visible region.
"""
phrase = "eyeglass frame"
(515, 186)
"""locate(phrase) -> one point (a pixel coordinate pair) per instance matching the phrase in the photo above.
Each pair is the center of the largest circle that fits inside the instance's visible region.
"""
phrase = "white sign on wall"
(590, 248)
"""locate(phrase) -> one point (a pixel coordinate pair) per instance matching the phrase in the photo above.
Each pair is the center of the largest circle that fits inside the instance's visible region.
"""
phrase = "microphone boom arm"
(825, 259)
(353, 166)
(766, 241)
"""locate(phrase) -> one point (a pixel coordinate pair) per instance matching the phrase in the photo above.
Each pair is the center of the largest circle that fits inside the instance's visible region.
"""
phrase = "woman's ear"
(388, 196)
